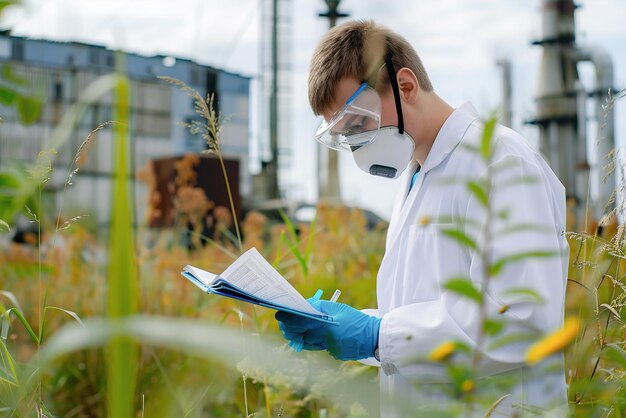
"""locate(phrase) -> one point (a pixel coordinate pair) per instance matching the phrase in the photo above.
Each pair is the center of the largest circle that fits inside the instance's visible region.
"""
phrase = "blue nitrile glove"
(355, 338)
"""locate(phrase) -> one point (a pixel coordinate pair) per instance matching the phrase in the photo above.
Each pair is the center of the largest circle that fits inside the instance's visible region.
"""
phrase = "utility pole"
(328, 174)
(272, 166)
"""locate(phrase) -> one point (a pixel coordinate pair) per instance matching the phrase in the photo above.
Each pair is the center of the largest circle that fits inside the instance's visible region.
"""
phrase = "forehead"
(345, 88)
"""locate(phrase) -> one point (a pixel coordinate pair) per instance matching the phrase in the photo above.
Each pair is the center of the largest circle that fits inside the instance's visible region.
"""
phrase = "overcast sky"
(458, 40)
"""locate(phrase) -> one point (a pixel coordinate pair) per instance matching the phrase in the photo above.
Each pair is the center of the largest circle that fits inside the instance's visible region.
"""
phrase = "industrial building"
(562, 115)
(576, 126)
(57, 73)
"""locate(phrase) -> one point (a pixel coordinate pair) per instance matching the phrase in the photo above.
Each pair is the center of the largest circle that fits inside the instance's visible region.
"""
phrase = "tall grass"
(209, 130)
(24, 194)
(272, 388)
(122, 294)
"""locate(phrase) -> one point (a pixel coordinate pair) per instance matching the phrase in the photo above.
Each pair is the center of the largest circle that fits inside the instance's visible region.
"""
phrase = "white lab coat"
(417, 315)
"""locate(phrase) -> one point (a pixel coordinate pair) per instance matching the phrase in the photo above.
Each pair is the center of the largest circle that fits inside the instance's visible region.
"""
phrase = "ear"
(408, 85)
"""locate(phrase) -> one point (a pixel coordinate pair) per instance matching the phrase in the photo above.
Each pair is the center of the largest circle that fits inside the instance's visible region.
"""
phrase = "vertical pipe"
(582, 162)
(272, 167)
(567, 141)
(605, 141)
(553, 146)
(259, 182)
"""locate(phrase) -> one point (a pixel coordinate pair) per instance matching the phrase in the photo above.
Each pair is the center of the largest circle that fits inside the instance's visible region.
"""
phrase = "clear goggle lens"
(355, 124)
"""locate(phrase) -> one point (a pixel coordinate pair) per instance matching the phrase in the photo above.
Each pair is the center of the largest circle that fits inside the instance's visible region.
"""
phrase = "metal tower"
(561, 102)
(275, 97)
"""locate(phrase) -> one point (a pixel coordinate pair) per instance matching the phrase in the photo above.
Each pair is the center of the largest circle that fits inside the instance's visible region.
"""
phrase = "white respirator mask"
(385, 151)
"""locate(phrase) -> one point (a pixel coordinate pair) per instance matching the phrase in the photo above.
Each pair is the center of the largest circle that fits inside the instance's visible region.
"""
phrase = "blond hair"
(357, 49)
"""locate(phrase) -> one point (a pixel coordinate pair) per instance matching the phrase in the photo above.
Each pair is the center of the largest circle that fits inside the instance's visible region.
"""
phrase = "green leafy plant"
(462, 363)
(13, 93)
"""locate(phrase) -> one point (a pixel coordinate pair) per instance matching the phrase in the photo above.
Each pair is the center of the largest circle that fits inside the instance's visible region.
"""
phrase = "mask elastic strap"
(396, 91)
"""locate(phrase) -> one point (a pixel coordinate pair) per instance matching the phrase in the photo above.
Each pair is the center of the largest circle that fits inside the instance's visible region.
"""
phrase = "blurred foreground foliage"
(345, 255)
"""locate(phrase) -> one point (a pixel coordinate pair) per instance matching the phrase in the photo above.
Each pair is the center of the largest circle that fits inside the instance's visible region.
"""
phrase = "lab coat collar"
(451, 133)
(449, 136)
(402, 195)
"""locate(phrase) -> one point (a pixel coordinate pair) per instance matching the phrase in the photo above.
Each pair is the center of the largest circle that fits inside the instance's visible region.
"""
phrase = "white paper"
(204, 276)
(252, 273)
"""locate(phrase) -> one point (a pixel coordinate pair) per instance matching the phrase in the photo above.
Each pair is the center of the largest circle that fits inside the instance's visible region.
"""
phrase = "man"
(378, 103)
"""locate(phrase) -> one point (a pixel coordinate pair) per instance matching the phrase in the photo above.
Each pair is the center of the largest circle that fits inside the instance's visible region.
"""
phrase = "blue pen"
(297, 345)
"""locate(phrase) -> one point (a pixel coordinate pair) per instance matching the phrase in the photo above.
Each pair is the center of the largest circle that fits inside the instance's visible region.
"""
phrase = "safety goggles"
(358, 121)
(355, 124)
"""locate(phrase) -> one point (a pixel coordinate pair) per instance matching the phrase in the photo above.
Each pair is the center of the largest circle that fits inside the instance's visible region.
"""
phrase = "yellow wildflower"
(442, 351)
(553, 342)
(468, 386)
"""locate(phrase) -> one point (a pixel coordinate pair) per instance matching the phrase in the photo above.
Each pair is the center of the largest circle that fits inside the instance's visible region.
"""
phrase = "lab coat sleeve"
(531, 205)
(370, 361)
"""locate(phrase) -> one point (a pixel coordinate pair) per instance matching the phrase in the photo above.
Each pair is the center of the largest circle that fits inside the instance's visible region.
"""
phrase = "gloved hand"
(355, 338)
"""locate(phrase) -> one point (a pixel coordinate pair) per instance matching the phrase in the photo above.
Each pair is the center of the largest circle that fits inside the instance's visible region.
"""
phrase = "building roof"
(43, 59)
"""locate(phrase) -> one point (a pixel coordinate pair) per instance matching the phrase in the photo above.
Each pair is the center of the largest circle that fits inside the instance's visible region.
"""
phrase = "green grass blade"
(309, 244)
(42, 320)
(496, 267)
(493, 327)
(464, 287)
(122, 353)
(8, 359)
(7, 381)
(294, 243)
(479, 190)
(11, 297)
(495, 405)
(524, 295)
(278, 256)
(461, 238)
(20, 317)
(232, 238)
(485, 143)
(70, 313)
